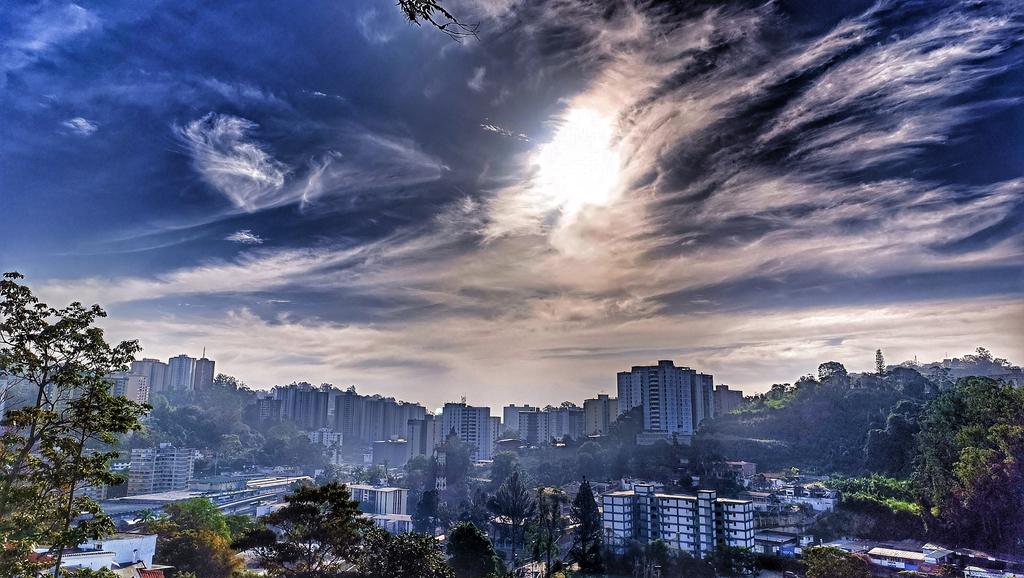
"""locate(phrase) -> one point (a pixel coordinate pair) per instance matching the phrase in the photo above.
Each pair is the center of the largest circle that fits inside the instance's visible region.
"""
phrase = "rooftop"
(893, 553)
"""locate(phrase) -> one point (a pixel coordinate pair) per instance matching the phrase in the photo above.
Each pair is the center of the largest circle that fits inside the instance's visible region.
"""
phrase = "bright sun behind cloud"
(580, 166)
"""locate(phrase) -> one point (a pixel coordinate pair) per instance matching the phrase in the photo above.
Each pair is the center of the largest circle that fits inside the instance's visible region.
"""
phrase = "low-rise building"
(393, 523)
(694, 524)
(380, 500)
(775, 543)
(127, 547)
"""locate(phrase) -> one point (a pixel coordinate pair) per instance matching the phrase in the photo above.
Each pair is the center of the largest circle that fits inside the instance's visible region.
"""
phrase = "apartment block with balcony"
(696, 525)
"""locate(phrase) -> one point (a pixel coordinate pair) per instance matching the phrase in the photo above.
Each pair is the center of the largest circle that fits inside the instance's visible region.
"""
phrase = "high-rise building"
(204, 373)
(424, 435)
(393, 453)
(495, 429)
(332, 441)
(551, 424)
(367, 419)
(155, 372)
(160, 469)
(304, 405)
(697, 525)
(268, 409)
(675, 400)
(510, 416)
(599, 414)
(181, 372)
(132, 386)
(472, 425)
(727, 400)
(533, 427)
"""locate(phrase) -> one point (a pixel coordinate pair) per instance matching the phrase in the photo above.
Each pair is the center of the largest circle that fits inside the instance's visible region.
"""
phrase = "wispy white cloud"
(245, 237)
(37, 31)
(230, 160)
(228, 156)
(81, 126)
(374, 27)
(477, 82)
(489, 127)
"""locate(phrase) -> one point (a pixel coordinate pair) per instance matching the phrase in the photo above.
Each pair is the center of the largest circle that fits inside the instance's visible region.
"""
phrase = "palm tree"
(514, 502)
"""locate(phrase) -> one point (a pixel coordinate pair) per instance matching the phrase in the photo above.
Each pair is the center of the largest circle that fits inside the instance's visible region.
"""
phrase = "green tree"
(879, 362)
(470, 552)
(729, 561)
(194, 536)
(827, 562)
(317, 532)
(407, 555)
(587, 534)
(970, 465)
(204, 553)
(427, 512)
(198, 514)
(516, 506)
(549, 526)
(502, 466)
(831, 369)
(58, 441)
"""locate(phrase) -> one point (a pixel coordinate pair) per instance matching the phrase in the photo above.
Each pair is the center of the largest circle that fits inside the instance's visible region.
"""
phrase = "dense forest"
(932, 457)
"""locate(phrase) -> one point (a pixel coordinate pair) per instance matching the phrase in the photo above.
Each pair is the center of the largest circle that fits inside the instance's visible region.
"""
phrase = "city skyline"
(327, 194)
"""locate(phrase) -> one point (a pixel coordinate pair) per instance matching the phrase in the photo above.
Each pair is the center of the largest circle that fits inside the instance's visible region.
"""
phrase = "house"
(898, 559)
(775, 543)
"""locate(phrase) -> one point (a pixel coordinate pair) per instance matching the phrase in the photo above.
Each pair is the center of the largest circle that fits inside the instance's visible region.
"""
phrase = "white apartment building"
(181, 372)
(155, 372)
(381, 500)
(675, 400)
(693, 524)
(552, 423)
(599, 414)
(133, 386)
(472, 425)
(160, 469)
(331, 440)
(510, 415)
(424, 435)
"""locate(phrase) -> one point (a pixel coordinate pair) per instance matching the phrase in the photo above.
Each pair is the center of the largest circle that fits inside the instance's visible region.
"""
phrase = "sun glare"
(580, 166)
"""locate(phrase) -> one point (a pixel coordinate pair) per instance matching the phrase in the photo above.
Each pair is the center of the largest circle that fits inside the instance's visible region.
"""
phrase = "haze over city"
(320, 191)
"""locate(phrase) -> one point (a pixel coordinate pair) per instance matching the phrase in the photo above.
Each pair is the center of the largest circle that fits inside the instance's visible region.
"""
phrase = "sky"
(322, 191)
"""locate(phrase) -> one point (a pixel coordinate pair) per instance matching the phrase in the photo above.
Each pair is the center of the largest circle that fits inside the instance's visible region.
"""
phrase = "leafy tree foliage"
(548, 526)
(970, 471)
(471, 554)
(729, 561)
(57, 441)
(317, 531)
(587, 536)
(890, 450)
(834, 563)
(407, 555)
(502, 466)
(425, 516)
(514, 503)
(194, 536)
(812, 425)
(830, 370)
